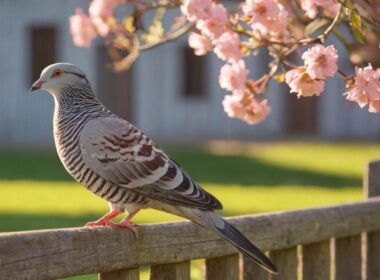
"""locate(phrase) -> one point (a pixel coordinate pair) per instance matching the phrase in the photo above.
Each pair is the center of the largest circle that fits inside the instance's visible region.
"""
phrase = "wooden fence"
(340, 242)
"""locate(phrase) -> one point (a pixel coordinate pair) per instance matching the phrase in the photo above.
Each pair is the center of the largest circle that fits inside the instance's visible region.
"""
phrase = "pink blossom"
(233, 76)
(310, 7)
(215, 24)
(200, 43)
(267, 17)
(196, 9)
(329, 7)
(227, 46)
(258, 112)
(100, 11)
(302, 84)
(233, 106)
(81, 28)
(261, 10)
(321, 62)
(374, 106)
(246, 108)
(365, 89)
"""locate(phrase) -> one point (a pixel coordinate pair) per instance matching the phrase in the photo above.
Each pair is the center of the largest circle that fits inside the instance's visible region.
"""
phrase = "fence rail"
(318, 237)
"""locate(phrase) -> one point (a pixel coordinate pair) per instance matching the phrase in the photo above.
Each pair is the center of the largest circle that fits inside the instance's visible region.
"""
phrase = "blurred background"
(309, 152)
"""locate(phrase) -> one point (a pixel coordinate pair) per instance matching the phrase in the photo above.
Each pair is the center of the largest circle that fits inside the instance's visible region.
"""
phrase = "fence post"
(125, 274)
(226, 268)
(348, 263)
(171, 271)
(316, 260)
(286, 261)
(372, 253)
(252, 271)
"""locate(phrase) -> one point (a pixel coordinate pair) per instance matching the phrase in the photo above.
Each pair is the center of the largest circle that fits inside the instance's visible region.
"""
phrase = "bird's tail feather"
(232, 235)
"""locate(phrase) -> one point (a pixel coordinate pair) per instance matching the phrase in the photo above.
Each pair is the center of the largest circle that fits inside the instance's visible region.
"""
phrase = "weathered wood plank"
(125, 274)
(372, 179)
(54, 253)
(171, 271)
(223, 268)
(316, 260)
(372, 254)
(252, 271)
(348, 261)
(286, 261)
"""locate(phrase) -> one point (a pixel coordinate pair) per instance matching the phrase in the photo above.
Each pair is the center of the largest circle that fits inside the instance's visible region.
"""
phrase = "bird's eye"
(57, 73)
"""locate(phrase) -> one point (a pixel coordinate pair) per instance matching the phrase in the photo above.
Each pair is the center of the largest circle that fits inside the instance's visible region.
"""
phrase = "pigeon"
(116, 161)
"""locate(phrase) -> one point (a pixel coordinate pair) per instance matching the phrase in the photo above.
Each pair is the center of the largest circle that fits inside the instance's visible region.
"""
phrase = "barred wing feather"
(120, 153)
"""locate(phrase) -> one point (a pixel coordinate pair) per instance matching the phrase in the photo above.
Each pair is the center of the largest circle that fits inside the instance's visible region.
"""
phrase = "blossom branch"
(233, 35)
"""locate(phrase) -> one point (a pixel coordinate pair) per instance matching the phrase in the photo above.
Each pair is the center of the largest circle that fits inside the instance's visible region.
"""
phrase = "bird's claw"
(124, 224)
(96, 224)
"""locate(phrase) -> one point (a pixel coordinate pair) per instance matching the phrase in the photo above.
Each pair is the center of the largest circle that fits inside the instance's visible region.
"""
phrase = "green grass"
(36, 192)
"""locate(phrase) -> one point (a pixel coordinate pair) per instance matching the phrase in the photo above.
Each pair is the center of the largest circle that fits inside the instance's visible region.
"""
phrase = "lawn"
(36, 192)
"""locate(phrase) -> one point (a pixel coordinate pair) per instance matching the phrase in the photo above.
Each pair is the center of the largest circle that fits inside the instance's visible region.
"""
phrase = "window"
(194, 74)
(43, 49)
(302, 114)
(114, 89)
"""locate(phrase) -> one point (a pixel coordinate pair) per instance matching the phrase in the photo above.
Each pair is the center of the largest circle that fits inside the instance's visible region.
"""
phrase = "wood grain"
(223, 268)
(61, 253)
(125, 274)
(252, 271)
(348, 261)
(286, 261)
(372, 254)
(316, 261)
(171, 271)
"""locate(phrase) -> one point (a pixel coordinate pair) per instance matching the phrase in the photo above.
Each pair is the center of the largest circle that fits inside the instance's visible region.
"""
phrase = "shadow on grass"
(202, 166)
(249, 171)
(21, 222)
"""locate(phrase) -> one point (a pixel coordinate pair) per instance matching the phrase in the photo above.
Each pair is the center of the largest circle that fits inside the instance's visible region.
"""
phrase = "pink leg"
(126, 223)
(103, 221)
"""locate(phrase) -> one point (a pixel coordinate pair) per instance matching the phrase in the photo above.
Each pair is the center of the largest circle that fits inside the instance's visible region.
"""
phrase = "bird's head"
(56, 77)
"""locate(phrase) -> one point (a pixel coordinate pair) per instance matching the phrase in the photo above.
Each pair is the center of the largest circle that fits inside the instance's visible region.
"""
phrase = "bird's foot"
(98, 223)
(103, 221)
(126, 223)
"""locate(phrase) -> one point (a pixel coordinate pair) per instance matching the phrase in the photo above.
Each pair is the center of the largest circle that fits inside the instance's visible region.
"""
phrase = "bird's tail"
(229, 233)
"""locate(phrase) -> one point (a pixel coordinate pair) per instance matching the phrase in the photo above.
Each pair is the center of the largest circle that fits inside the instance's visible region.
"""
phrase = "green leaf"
(357, 26)
(156, 29)
(279, 78)
(129, 24)
(315, 25)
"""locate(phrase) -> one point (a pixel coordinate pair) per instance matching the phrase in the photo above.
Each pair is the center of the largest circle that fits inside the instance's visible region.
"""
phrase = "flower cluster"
(308, 80)
(364, 89)
(211, 20)
(329, 7)
(84, 28)
(246, 108)
(267, 18)
(265, 23)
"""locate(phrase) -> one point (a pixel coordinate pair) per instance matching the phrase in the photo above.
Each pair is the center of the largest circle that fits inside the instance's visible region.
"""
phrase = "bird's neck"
(75, 94)
(74, 105)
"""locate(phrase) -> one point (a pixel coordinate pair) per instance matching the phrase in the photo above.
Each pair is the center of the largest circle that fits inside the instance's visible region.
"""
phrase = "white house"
(169, 93)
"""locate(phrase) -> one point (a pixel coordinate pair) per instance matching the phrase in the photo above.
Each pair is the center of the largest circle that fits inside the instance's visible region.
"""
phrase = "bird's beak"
(37, 85)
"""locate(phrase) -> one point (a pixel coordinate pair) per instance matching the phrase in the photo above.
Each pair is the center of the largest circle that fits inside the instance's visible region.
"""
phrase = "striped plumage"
(76, 107)
(117, 162)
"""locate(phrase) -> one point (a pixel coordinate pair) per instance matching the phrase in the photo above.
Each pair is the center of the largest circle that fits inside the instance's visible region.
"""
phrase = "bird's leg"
(103, 221)
(126, 223)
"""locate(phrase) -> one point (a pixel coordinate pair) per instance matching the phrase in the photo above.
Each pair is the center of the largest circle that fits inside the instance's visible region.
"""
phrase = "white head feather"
(59, 75)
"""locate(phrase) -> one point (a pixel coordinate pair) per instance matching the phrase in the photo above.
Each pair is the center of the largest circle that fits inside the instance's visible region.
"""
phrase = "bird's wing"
(120, 153)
